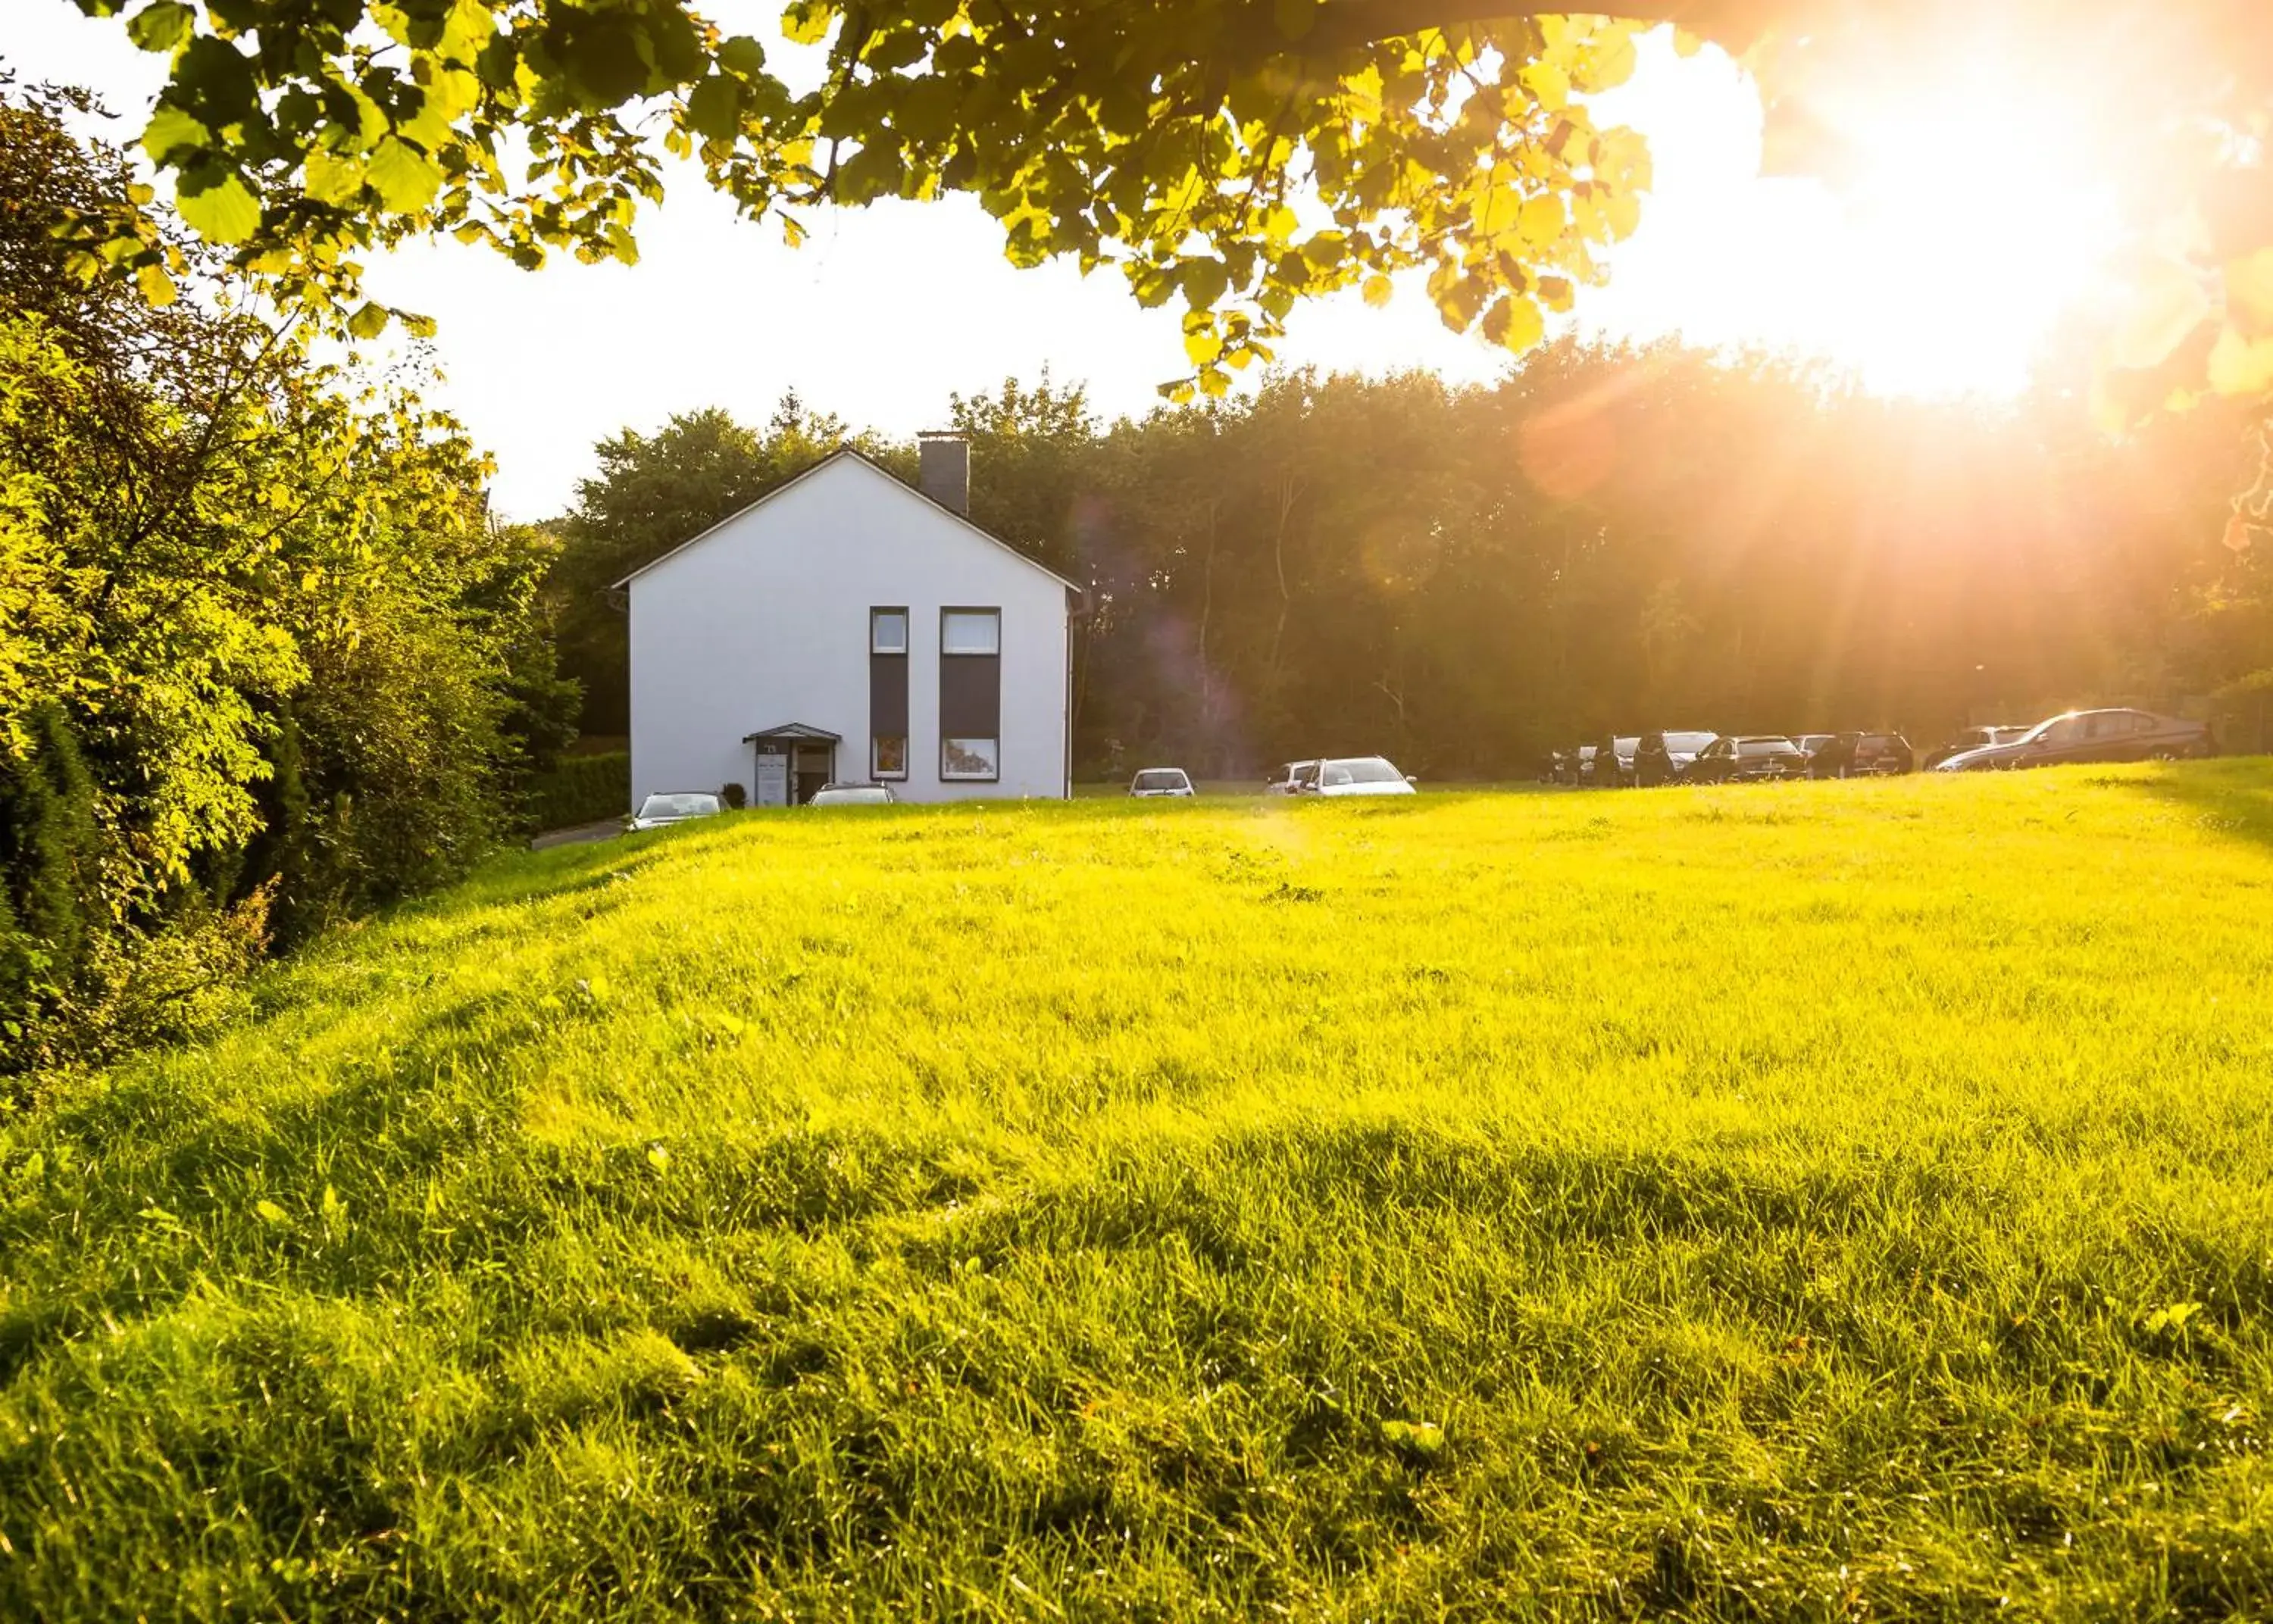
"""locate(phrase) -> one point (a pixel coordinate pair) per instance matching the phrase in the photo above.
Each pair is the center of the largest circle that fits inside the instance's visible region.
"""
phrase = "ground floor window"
(887, 755)
(969, 757)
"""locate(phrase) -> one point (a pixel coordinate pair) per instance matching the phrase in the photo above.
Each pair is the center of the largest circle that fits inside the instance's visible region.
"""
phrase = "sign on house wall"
(773, 778)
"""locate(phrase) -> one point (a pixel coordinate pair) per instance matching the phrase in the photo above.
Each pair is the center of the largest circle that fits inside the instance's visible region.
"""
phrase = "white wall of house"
(764, 622)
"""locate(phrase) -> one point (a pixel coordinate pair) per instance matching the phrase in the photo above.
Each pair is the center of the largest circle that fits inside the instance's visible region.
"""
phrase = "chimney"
(943, 469)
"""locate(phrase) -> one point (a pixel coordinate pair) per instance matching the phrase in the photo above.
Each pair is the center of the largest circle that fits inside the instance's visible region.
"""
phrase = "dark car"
(2092, 735)
(1862, 755)
(1973, 738)
(1620, 751)
(1662, 758)
(1809, 743)
(1758, 758)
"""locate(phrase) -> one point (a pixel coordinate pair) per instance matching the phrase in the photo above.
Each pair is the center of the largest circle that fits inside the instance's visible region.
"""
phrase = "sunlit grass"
(1837, 1200)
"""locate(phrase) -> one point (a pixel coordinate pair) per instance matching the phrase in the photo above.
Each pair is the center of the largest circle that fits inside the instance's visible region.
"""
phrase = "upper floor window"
(970, 632)
(888, 631)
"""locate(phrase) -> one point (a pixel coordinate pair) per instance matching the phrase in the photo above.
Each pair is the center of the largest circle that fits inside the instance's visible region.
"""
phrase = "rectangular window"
(887, 692)
(970, 695)
(969, 759)
(970, 632)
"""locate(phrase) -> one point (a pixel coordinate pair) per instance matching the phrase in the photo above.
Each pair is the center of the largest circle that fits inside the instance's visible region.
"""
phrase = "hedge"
(581, 789)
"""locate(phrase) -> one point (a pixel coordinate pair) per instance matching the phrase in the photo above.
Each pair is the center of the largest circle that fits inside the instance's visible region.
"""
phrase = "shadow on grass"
(2232, 799)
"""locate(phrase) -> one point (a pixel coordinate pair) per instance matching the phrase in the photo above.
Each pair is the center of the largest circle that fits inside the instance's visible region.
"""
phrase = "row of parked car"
(1333, 776)
(1647, 760)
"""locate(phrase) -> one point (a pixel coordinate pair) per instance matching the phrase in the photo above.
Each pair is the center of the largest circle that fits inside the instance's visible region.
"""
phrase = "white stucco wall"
(766, 621)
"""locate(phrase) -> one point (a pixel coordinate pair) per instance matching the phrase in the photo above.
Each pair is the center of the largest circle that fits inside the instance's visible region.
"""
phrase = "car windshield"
(1369, 770)
(1691, 743)
(2043, 728)
(679, 807)
(1763, 746)
(1161, 778)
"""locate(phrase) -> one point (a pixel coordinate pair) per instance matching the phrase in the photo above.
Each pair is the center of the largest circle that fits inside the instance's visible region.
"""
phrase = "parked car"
(853, 795)
(1153, 783)
(1974, 738)
(661, 810)
(2091, 735)
(1662, 758)
(1582, 765)
(1760, 757)
(1343, 776)
(1621, 751)
(1283, 782)
(1859, 755)
(1809, 743)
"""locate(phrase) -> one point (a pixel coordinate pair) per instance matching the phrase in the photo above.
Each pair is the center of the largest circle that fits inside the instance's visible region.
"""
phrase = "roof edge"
(798, 478)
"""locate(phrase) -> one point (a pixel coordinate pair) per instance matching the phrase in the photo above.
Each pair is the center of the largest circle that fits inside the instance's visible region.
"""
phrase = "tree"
(242, 592)
(1236, 155)
(50, 851)
(652, 492)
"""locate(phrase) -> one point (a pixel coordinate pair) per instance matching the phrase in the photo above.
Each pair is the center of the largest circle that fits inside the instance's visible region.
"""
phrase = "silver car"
(1345, 775)
(661, 810)
(853, 795)
(1154, 782)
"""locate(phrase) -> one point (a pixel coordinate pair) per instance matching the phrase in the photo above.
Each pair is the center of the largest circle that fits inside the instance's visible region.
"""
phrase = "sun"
(1969, 216)
(1972, 218)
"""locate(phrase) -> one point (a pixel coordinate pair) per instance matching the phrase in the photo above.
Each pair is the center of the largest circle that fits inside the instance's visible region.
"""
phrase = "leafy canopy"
(1231, 156)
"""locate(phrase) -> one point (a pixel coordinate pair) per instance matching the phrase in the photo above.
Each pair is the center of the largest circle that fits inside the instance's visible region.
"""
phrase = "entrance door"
(816, 765)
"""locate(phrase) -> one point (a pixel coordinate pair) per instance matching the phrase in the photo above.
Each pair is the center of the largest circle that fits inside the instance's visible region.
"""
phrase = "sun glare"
(1971, 215)
(1971, 222)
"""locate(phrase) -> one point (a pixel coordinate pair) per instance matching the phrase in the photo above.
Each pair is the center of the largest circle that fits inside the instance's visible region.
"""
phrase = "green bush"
(581, 789)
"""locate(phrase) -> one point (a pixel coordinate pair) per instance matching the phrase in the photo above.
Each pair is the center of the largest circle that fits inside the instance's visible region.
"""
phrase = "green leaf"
(333, 178)
(406, 178)
(271, 1213)
(1542, 221)
(1204, 282)
(715, 110)
(742, 57)
(807, 22)
(171, 130)
(217, 204)
(368, 322)
(160, 28)
(1514, 323)
(157, 286)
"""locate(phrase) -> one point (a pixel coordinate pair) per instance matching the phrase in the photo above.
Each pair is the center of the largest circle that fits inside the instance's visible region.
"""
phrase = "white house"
(847, 627)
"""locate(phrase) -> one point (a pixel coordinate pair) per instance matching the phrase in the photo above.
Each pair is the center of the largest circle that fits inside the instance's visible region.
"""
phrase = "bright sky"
(885, 311)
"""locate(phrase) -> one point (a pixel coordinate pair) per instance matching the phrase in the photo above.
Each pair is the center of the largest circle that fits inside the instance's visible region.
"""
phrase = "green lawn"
(1839, 1201)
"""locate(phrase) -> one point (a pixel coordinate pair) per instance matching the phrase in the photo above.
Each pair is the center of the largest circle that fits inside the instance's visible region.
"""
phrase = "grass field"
(1844, 1200)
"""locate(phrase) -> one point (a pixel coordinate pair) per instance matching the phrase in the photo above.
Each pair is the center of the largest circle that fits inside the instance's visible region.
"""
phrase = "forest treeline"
(268, 661)
(1609, 539)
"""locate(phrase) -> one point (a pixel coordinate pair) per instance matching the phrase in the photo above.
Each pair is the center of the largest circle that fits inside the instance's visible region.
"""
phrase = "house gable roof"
(842, 453)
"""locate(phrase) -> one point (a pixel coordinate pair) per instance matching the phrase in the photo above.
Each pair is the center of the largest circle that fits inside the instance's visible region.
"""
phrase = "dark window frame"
(888, 691)
(946, 729)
